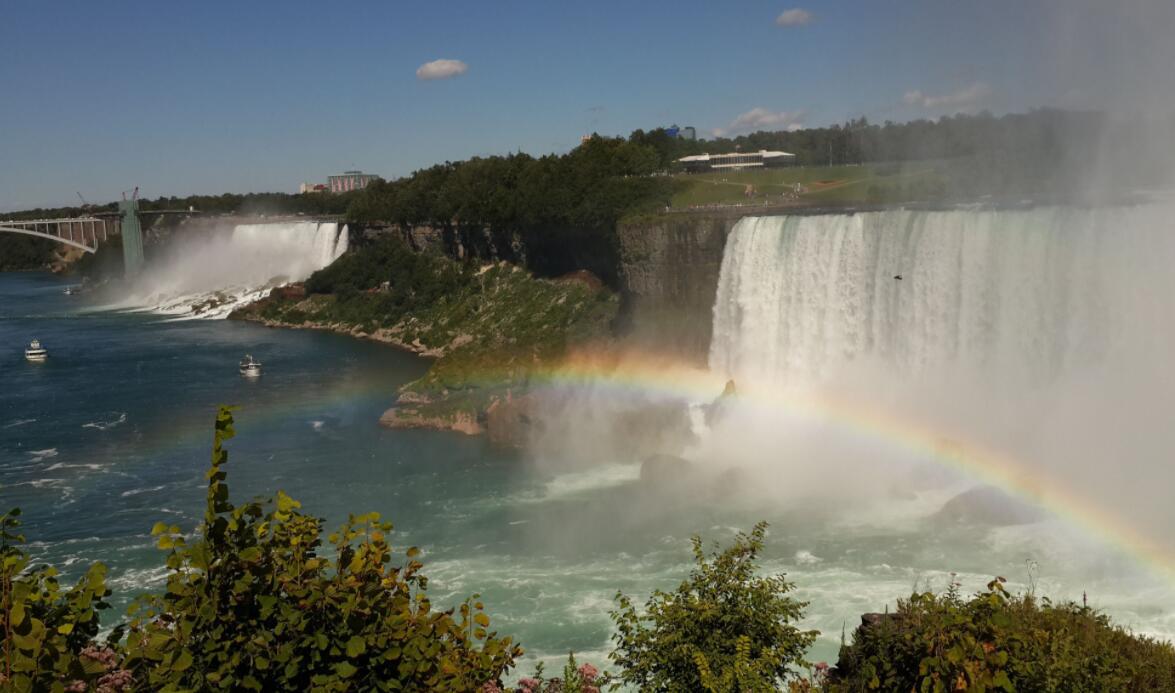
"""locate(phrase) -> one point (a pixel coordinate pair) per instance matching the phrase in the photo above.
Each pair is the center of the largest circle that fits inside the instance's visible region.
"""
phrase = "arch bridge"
(87, 232)
(80, 232)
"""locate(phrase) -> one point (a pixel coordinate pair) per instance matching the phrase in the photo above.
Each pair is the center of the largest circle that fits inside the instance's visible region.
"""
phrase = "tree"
(725, 628)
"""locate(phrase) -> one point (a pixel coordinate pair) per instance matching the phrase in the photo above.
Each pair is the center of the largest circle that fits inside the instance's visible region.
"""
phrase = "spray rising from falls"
(208, 276)
(1045, 334)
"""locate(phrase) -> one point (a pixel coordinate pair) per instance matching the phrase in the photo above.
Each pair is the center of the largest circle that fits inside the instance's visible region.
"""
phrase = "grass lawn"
(821, 184)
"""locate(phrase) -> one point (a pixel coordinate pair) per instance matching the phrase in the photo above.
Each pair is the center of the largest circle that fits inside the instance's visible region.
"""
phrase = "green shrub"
(47, 633)
(723, 629)
(251, 604)
(998, 641)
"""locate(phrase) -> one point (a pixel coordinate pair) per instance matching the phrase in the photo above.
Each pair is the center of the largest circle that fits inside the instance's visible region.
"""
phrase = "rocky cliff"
(665, 268)
(669, 268)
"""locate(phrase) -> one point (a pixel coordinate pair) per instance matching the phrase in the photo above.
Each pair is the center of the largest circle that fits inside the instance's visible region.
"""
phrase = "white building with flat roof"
(718, 162)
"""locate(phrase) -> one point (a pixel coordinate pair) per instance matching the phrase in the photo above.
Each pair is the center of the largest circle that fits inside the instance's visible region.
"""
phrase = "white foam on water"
(107, 425)
(137, 491)
(18, 422)
(594, 479)
(39, 455)
(137, 580)
(92, 466)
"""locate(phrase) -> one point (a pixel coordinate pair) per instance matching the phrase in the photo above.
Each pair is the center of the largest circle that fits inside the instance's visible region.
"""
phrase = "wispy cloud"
(441, 69)
(965, 99)
(794, 17)
(762, 119)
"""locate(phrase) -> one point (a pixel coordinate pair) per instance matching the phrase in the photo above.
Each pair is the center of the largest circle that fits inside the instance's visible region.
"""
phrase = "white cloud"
(762, 119)
(964, 99)
(794, 17)
(441, 69)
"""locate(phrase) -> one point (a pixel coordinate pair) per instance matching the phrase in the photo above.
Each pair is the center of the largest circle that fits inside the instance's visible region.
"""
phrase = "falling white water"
(210, 276)
(1045, 334)
(1011, 295)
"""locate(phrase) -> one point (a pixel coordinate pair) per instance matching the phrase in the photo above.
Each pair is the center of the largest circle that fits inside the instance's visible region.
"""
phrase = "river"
(111, 434)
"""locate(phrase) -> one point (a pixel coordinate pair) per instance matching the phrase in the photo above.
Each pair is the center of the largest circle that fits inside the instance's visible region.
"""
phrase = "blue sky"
(213, 97)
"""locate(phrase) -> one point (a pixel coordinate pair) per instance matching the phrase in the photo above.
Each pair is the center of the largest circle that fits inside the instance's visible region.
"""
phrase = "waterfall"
(210, 275)
(1016, 296)
(1044, 335)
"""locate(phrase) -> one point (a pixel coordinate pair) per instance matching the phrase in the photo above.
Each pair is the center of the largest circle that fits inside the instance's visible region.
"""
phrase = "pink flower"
(588, 672)
(529, 685)
(490, 687)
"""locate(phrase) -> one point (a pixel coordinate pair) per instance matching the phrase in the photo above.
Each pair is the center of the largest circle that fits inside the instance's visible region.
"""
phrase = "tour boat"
(72, 290)
(250, 367)
(36, 352)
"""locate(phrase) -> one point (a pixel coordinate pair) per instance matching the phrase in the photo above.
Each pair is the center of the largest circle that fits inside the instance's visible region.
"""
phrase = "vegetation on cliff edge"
(490, 325)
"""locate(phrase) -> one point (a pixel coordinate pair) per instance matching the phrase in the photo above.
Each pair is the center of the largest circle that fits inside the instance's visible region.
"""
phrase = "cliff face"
(665, 268)
(668, 271)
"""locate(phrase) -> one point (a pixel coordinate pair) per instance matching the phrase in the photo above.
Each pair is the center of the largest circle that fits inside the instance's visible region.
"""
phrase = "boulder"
(987, 505)
(508, 420)
(718, 408)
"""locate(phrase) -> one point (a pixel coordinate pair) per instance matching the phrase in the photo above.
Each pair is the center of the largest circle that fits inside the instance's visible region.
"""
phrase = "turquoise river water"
(111, 434)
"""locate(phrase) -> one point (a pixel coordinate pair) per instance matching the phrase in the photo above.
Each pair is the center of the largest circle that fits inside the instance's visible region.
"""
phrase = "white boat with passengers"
(36, 352)
(250, 367)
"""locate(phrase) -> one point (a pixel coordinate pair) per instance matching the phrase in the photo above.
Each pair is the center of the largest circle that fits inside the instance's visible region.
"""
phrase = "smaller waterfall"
(210, 276)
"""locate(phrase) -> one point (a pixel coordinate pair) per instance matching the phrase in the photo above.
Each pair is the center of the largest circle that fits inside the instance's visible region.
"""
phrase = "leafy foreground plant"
(48, 632)
(998, 641)
(723, 629)
(251, 604)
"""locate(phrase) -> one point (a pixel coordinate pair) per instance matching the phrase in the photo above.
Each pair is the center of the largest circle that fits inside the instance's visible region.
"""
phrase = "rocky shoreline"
(483, 344)
(404, 413)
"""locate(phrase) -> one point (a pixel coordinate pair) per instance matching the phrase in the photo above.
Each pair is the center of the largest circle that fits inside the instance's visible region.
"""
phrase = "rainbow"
(645, 374)
(642, 374)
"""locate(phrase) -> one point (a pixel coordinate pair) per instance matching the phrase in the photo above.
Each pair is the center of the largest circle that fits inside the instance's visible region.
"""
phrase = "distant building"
(720, 162)
(688, 133)
(348, 181)
(311, 188)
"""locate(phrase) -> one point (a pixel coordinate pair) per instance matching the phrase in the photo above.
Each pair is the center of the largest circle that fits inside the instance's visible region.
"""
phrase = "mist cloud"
(762, 119)
(965, 99)
(441, 69)
(794, 17)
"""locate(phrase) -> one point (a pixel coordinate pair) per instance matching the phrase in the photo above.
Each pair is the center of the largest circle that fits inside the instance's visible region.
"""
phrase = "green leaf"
(345, 669)
(285, 503)
(356, 646)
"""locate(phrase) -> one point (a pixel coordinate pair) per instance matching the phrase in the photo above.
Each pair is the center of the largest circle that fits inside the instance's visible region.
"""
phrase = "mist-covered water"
(200, 275)
(111, 434)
